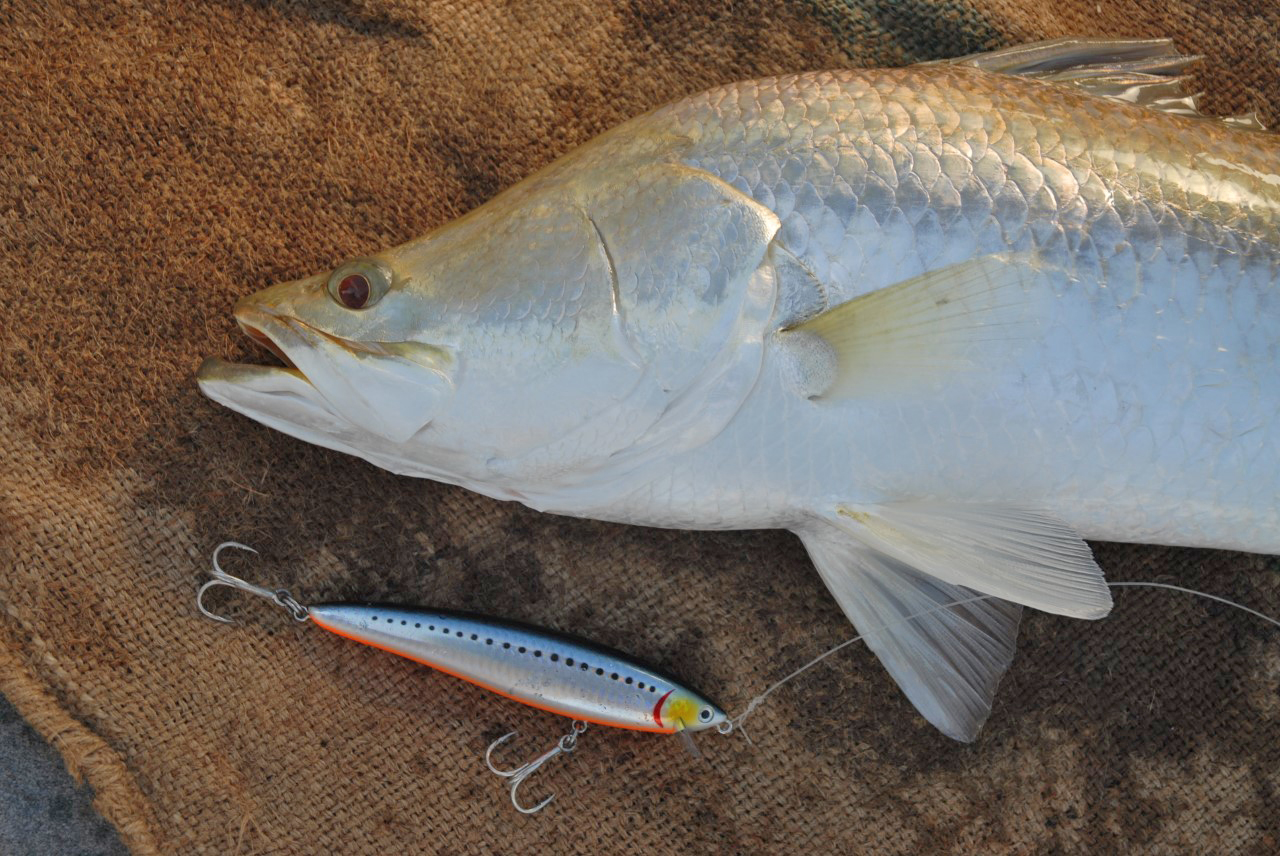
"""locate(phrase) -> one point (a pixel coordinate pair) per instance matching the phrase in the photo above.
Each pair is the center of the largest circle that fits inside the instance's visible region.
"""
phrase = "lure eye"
(706, 714)
(359, 284)
(353, 291)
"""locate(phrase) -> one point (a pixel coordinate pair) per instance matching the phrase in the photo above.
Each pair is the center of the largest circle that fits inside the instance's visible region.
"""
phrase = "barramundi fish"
(943, 322)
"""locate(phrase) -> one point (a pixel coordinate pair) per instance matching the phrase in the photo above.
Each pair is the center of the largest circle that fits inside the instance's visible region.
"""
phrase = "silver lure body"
(557, 673)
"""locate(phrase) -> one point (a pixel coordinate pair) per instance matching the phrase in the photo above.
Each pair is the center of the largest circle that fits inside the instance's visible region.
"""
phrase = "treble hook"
(222, 578)
(565, 744)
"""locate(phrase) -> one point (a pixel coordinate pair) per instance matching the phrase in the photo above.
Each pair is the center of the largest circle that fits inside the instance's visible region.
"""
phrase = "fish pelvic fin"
(892, 566)
(947, 659)
(1022, 555)
(1147, 72)
(924, 330)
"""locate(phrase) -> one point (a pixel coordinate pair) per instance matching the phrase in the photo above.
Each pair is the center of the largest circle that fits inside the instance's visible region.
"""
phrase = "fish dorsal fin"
(947, 659)
(1246, 121)
(1074, 58)
(1147, 72)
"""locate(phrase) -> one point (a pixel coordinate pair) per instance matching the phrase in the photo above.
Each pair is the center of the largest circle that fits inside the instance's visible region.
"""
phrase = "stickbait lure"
(550, 671)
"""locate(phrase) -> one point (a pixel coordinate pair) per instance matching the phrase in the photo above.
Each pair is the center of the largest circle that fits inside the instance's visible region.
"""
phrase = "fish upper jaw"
(258, 336)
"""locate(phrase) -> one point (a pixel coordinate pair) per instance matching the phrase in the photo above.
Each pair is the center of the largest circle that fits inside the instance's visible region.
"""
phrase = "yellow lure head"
(684, 710)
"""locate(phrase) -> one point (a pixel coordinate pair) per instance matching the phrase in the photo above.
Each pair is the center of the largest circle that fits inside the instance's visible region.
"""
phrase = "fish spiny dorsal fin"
(1147, 72)
(1248, 121)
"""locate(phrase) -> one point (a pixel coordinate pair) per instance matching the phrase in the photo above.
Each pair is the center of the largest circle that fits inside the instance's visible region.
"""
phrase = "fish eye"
(706, 714)
(359, 284)
(353, 291)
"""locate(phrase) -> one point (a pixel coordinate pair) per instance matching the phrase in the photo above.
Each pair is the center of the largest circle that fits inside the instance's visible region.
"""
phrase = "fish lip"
(272, 330)
(265, 328)
(216, 370)
(260, 337)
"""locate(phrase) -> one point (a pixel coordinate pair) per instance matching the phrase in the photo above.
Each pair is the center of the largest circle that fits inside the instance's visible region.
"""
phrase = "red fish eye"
(353, 291)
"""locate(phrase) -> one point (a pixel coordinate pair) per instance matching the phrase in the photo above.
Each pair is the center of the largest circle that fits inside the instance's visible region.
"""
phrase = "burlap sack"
(160, 160)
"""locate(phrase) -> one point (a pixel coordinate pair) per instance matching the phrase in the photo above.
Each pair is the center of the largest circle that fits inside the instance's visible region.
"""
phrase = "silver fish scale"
(855, 161)
(1163, 231)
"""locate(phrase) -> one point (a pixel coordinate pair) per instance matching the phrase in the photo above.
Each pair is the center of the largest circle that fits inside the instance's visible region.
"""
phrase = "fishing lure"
(558, 673)
(541, 668)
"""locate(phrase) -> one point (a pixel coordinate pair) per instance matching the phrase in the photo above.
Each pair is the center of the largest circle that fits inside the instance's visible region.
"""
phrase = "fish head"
(685, 710)
(347, 350)
(544, 340)
(472, 345)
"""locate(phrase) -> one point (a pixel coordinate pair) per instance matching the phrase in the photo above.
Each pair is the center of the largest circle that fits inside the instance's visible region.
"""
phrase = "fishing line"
(735, 723)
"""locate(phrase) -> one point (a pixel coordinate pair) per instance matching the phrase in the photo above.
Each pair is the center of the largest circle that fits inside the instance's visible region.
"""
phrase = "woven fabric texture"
(159, 160)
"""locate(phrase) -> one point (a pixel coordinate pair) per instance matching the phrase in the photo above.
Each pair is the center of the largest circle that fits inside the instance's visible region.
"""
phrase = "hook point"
(488, 755)
(204, 610)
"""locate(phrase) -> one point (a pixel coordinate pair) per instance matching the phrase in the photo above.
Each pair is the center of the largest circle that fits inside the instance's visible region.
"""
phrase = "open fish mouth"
(279, 396)
(220, 378)
(261, 338)
(330, 388)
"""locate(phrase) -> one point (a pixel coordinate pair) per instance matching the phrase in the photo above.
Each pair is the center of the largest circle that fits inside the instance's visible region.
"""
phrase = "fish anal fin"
(948, 659)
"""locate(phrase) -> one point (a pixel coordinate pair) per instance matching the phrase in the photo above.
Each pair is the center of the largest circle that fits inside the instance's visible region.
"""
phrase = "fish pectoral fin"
(922, 331)
(1147, 72)
(1021, 555)
(948, 659)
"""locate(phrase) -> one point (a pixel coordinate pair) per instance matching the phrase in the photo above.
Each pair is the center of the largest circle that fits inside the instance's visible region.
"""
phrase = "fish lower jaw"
(278, 397)
(216, 370)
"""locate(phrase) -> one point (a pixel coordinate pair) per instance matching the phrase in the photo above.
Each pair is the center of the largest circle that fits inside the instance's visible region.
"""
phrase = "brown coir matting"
(159, 160)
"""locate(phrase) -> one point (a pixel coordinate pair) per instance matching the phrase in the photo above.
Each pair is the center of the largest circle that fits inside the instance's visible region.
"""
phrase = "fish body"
(1145, 408)
(943, 322)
